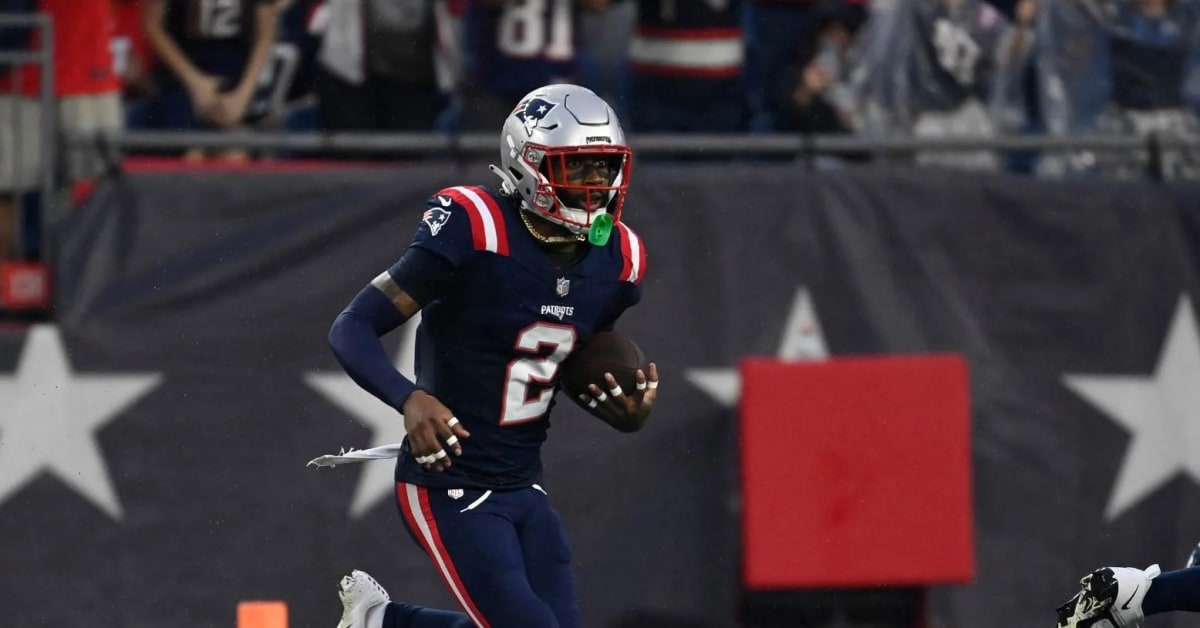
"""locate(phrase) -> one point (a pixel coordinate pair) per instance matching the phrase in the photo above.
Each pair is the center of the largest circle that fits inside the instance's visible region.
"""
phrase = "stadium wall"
(222, 285)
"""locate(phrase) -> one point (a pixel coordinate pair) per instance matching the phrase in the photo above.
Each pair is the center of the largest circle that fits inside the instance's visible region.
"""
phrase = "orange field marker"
(262, 614)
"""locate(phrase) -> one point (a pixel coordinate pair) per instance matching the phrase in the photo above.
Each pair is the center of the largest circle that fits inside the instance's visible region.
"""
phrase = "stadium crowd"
(868, 68)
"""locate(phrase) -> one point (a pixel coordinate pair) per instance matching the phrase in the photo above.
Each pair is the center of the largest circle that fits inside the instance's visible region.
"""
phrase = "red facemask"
(589, 179)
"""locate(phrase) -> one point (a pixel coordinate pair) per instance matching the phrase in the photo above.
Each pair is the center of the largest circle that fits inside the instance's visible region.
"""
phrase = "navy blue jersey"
(520, 45)
(490, 348)
(287, 74)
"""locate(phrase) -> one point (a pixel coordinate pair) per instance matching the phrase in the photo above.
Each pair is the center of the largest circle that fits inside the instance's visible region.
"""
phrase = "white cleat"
(359, 594)
(1111, 598)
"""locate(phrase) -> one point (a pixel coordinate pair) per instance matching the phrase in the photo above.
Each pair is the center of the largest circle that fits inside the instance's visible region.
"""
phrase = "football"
(605, 352)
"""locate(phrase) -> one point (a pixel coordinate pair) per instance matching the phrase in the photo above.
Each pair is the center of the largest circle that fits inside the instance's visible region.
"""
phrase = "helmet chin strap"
(508, 186)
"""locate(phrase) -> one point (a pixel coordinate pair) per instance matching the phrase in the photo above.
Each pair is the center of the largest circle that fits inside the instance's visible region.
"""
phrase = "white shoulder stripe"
(476, 204)
(635, 253)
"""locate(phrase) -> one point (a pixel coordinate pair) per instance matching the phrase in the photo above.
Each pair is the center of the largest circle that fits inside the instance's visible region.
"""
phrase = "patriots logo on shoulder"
(436, 218)
(532, 112)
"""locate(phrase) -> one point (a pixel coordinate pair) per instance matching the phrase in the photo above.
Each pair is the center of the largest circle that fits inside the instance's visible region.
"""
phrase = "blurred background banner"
(154, 439)
(838, 455)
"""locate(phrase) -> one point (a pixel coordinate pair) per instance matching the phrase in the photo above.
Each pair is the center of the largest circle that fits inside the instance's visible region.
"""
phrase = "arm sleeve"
(355, 333)
(354, 338)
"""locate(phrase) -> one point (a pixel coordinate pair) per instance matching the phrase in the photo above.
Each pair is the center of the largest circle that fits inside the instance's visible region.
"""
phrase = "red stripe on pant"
(414, 503)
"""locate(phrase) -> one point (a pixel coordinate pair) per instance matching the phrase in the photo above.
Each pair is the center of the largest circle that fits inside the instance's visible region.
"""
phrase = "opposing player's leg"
(548, 559)
(475, 548)
(1109, 594)
(412, 616)
(1174, 591)
(1123, 596)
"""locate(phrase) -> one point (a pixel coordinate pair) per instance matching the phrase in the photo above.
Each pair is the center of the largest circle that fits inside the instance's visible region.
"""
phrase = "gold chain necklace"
(545, 238)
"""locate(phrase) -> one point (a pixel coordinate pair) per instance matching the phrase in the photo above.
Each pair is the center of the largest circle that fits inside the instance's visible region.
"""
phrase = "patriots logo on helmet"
(436, 218)
(532, 113)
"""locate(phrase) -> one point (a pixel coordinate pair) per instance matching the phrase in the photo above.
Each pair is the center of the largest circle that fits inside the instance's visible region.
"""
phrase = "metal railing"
(46, 129)
(1149, 150)
(486, 144)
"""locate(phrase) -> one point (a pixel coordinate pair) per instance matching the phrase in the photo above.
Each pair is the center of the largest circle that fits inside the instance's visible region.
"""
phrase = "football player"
(509, 281)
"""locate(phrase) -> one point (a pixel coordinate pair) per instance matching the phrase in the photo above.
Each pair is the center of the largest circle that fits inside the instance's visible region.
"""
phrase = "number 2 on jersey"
(518, 406)
(536, 28)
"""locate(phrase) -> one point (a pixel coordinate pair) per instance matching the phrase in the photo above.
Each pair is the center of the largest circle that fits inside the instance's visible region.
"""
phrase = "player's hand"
(625, 410)
(432, 429)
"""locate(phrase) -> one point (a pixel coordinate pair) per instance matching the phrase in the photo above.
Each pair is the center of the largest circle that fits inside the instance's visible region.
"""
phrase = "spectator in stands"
(1153, 43)
(816, 91)
(605, 37)
(1119, 67)
(773, 31)
(132, 59)
(686, 66)
(13, 176)
(284, 98)
(1074, 65)
(944, 69)
(511, 47)
(968, 58)
(211, 55)
(377, 64)
(87, 102)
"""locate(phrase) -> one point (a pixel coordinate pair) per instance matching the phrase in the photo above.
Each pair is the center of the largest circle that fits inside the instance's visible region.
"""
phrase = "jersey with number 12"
(491, 348)
(521, 45)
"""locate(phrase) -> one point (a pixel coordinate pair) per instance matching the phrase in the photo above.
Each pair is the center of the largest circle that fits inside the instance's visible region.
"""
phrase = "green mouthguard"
(601, 229)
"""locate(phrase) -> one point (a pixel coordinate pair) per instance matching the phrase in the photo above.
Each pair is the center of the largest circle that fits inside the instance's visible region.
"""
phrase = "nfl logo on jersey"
(562, 286)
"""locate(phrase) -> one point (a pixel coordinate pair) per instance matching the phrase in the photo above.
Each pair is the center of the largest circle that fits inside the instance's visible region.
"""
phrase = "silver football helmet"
(563, 151)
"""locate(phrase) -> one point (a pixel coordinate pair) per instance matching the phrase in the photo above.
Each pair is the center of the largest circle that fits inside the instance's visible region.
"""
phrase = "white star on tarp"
(49, 417)
(802, 341)
(387, 426)
(1161, 412)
